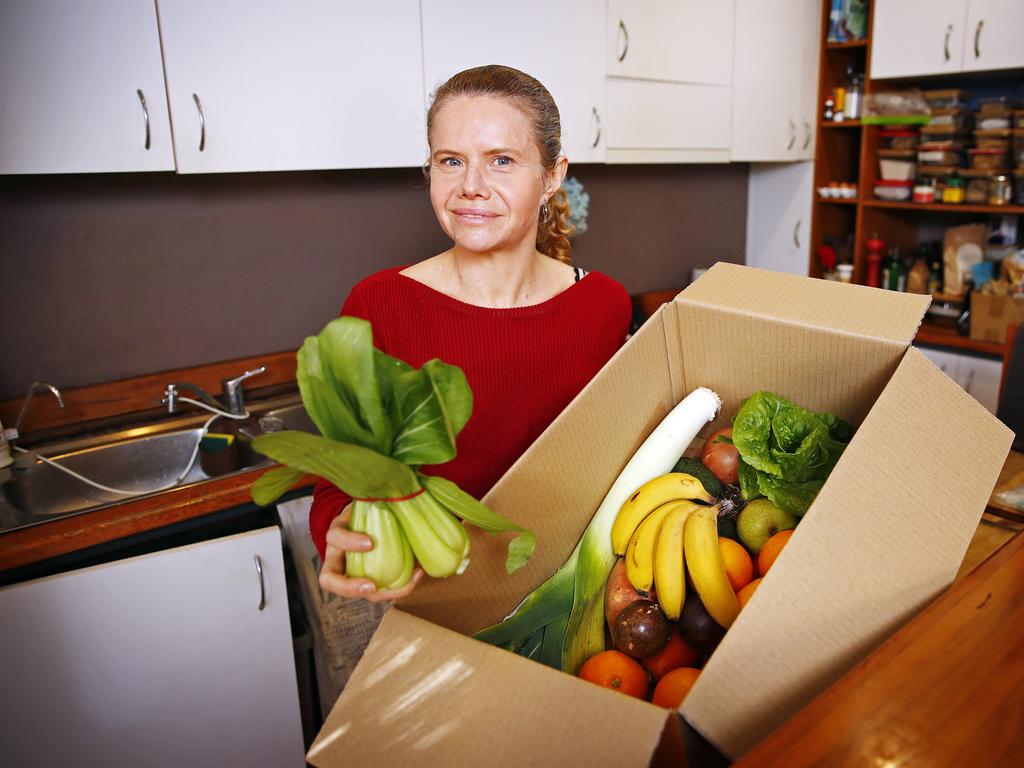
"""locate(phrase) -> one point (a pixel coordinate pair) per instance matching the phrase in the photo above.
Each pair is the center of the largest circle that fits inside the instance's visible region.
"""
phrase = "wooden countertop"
(76, 532)
(946, 690)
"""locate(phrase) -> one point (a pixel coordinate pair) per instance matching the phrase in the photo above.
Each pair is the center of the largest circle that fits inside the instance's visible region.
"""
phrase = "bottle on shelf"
(917, 277)
(895, 273)
(935, 267)
(852, 97)
(875, 248)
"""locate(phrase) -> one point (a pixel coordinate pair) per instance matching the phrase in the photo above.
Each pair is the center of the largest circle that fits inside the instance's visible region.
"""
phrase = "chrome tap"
(37, 386)
(232, 393)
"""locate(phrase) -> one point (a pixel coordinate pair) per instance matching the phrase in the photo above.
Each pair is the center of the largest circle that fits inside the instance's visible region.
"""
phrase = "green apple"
(759, 521)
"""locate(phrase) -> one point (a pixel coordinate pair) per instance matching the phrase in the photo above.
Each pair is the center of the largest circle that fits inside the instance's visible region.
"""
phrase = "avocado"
(694, 467)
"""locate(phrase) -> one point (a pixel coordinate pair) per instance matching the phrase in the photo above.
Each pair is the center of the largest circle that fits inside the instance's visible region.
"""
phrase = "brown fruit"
(619, 593)
(697, 627)
(641, 630)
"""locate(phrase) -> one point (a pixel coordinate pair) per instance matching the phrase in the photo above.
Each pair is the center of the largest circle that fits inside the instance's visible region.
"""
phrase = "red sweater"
(524, 365)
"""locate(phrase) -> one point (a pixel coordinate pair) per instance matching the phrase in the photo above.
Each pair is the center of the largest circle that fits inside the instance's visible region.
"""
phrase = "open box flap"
(425, 696)
(555, 488)
(839, 307)
(884, 537)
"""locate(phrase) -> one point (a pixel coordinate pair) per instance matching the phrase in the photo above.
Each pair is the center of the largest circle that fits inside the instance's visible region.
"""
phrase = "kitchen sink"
(142, 460)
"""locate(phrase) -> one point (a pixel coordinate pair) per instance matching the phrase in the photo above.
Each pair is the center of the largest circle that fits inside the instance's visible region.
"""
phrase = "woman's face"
(487, 183)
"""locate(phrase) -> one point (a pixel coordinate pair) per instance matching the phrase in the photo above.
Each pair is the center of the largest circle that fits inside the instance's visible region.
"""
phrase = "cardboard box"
(991, 314)
(883, 538)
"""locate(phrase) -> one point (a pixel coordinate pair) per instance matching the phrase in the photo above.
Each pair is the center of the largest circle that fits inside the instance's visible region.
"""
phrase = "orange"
(673, 687)
(674, 655)
(616, 670)
(738, 565)
(748, 592)
(770, 550)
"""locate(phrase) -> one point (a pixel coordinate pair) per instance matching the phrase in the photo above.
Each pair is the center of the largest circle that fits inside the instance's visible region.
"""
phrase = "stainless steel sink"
(142, 460)
(140, 465)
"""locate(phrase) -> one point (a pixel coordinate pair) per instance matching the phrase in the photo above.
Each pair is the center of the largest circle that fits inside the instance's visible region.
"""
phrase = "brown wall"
(109, 276)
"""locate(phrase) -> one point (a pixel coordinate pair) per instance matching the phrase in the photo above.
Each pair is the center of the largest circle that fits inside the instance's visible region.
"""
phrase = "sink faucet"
(37, 386)
(234, 403)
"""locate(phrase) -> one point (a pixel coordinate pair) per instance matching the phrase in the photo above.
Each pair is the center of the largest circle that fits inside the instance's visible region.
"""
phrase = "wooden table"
(946, 690)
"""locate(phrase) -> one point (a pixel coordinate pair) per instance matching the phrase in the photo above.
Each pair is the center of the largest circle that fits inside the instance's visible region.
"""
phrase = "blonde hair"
(534, 100)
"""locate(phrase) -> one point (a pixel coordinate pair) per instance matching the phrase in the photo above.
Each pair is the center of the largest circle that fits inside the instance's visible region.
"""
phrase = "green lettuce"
(786, 452)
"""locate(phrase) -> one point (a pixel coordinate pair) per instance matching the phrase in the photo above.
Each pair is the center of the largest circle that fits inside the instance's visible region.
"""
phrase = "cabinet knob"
(145, 113)
(202, 122)
(796, 232)
(624, 35)
(945, 44)
(977, 38)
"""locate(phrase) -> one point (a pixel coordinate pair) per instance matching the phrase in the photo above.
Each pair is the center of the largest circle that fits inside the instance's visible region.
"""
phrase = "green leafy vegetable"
(786, 452)
(380, 420)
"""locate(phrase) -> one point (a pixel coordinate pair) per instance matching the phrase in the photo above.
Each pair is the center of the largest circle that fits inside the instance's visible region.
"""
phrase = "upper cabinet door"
(774, 80)
(71, 75)
(918, 37)
(561, 44)
(993, 35)
(256, 85)
(684, 41)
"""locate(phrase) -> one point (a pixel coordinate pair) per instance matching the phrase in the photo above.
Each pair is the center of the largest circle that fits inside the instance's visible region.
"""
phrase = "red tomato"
(721, 457)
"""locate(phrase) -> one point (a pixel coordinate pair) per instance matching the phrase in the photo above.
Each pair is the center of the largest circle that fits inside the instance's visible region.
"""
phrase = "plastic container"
(957, 117)
(940, 153)
(949, 98)
(993, 139)
(897, 139)
(992, 123)
(895, 191)
(934, 132)
(955, 191)
(844, 273)
(997, 106)
(924, 191)
(977, 186)
(989, 159)
(897, 170)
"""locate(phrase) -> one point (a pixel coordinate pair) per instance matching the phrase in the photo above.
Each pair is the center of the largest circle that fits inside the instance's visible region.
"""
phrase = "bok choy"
(380, 420)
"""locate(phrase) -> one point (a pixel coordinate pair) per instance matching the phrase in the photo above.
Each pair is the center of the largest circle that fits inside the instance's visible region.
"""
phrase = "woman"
(502, 303)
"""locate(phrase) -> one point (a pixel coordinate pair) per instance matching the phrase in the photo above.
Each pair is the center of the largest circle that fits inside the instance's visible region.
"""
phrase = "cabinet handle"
(945, 45)
(145, 113)
(792, 134)
(807, 133)
(977, 38)
(969, 382)
(597, 122)
(625, 39)
(796, 232)
(259, 574)
(202, 122)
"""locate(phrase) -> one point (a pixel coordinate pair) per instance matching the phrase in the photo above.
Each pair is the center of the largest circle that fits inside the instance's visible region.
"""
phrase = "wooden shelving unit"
(846, 152)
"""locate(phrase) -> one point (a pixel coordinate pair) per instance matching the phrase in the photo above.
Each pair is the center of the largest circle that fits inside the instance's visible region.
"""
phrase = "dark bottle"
(896, 279)
(963, 323)
(935, 277)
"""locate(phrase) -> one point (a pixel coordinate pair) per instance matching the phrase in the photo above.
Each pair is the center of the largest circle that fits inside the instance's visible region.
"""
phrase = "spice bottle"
(852, 99)
(829, 109)
(954, 191)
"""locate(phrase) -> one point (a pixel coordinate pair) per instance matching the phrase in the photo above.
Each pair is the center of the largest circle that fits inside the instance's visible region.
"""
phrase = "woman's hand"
(332, 574)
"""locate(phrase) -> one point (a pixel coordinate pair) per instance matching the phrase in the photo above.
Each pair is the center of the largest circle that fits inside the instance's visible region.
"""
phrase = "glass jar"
(1000, 190)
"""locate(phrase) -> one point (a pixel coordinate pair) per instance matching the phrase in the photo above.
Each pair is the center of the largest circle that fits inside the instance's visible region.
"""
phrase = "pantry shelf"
(943, 207)
(941, 336)
(841, 124)
(836, 201)
(848, 44)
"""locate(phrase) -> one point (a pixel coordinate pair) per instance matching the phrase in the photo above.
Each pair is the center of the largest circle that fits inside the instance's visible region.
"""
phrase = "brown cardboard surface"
(424, 696)
(883, 538)
(556, 487)
(991, 314)
(838, 307)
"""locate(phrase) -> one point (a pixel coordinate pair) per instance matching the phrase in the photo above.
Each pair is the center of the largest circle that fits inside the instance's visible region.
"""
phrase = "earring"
(544, 211)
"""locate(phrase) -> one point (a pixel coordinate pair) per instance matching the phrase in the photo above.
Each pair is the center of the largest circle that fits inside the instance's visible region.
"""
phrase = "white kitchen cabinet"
(669, 68)
(779, 216)
(682, 41)
(993, 35)
(977, 375)
(561, 44)
(82, 88)
(256, 85)
(930, 37)
(179, 658)
(775, 80)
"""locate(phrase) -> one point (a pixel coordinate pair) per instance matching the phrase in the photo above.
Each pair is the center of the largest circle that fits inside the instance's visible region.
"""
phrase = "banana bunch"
(403, 532)
(664, 533)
